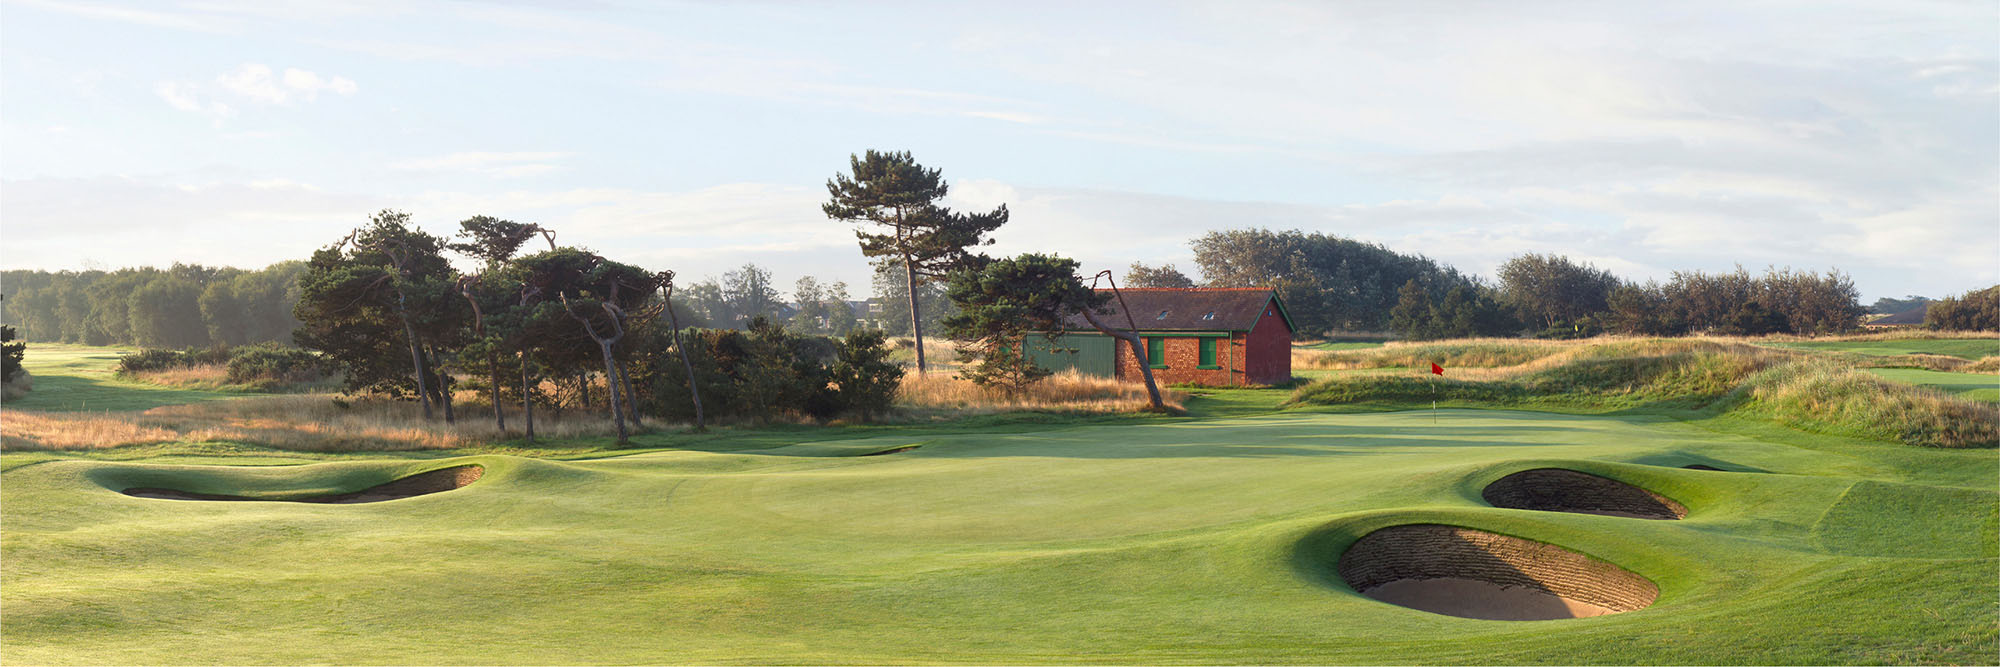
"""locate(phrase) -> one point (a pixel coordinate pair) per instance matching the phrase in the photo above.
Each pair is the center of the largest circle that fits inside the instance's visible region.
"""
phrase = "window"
(1156, 352)
(1208, 353)
(1209, 316)
(1163, 315)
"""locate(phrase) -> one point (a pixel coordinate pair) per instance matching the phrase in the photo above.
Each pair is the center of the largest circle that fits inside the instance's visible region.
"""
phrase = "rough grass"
(307, 423)
(1697, 375)
(1466, 352)
(1068, 391)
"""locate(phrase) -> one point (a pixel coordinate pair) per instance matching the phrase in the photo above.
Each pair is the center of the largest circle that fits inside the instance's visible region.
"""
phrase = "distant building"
(1211, 336)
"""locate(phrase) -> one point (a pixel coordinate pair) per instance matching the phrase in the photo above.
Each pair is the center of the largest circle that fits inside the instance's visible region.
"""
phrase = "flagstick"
(1437, 371)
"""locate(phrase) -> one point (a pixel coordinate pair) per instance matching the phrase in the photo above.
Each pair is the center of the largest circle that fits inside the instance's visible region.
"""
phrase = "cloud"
(159, 19)
(59, 223)
(496, 164)
(181, 96)
(257, 82)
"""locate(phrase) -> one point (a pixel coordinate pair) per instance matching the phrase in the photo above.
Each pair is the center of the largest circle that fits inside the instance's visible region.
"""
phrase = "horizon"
(695, 137)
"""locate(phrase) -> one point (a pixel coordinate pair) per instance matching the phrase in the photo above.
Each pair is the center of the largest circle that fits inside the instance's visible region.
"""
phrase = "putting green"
(1211, 541)
(1975, 386)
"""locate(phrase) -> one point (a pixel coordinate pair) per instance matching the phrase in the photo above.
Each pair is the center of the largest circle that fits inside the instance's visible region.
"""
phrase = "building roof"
(1187, 309)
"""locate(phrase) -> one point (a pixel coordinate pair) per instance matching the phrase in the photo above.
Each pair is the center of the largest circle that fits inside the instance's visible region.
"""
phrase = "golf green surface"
(73, 378)
(1198, 541)
(1975, 386)
(1965, 348)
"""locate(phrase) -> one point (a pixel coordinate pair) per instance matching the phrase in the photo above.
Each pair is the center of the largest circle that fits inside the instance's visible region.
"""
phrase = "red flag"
(1436, 369)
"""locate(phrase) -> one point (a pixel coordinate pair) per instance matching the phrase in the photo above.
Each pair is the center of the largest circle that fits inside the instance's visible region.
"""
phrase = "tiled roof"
(1184, 309)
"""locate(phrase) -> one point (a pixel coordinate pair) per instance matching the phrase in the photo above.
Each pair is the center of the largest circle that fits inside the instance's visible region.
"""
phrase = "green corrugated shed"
(1087, 353)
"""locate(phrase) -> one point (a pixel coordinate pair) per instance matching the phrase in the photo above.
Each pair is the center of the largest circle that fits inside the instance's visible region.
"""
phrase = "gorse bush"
(261, 366)
(259, 363)
(159, 359)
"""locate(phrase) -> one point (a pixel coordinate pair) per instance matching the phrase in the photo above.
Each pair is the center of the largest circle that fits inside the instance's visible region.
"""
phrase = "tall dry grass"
(1459, 353)
(1068, 391)
(939, 352)
(199, 376)
(1816, 392)
(313, 423)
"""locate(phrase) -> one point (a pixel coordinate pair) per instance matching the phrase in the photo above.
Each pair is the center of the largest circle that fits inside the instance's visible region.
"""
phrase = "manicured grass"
(1964, 348)
(70, 378)
(1975, 386)
(1000, 539)
(1195, 542)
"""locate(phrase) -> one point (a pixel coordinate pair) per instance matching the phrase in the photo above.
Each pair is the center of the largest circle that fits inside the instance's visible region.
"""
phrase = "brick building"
(1212, 336)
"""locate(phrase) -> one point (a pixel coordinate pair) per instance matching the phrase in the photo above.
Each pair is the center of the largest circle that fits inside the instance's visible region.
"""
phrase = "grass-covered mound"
(1698, 376)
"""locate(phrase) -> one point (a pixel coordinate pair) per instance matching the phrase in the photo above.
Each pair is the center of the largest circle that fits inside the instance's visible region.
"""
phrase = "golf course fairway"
(1199, 541)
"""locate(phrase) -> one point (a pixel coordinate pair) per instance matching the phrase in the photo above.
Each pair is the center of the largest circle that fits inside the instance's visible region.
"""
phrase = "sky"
(1644, 138)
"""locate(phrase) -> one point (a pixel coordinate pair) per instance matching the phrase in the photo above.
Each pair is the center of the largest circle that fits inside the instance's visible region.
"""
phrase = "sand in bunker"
(1472, 598)
(1472, 573)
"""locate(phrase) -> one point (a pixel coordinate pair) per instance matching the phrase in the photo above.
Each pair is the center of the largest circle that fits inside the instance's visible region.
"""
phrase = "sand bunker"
(435, 481)
(1475, 574)
(1558, 490)
(897, 450)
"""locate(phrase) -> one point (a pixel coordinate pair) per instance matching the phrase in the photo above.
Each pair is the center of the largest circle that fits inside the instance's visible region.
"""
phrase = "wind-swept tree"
(601, 296)
(900, 198)
(384, 282)
(494, 242)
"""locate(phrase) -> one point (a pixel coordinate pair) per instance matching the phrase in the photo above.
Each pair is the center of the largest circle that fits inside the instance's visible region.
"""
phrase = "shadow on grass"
(70, 393)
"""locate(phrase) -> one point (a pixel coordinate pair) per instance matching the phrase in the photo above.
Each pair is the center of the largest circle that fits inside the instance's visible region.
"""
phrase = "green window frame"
(1207, 354)
(1156, 352)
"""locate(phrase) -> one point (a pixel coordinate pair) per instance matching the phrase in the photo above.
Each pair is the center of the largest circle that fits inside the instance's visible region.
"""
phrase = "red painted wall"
(1268, 351)
(1263, 356)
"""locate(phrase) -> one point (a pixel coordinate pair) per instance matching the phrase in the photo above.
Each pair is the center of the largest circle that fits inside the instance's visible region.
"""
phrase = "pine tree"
(900, 197)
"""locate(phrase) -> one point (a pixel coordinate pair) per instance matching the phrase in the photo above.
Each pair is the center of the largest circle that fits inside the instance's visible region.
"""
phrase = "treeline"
(1977, 310)
(186, 305)
(386, 307)
(1329, 283)
(1338, 285)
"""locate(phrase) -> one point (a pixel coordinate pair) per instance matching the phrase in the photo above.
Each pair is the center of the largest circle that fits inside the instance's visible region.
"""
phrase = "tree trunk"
(416, 357)
(493, 368)
(611, 387)
(1145, 366)
(443, 387)
(631, 399)
(492, 354)
(916, 323)
(693, 390)
(583, 388)
(527, 397)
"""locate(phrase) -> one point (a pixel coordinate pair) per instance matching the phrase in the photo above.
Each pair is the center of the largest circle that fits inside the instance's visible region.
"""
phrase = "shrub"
(866, 379)
(266, 364)
(14, 352)
(768, 371)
